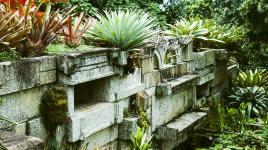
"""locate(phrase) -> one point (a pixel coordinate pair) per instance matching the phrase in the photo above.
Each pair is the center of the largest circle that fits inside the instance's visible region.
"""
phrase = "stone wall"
(99, 95)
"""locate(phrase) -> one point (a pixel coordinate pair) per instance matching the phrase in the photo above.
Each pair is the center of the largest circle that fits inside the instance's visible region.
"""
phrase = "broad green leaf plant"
(126, 30)
(140, 141)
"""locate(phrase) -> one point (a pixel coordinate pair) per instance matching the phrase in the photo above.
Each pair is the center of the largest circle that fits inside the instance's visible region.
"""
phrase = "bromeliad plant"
(254, 98)
(249, 78)
(186, 27)
(194, 28)
(126, 30)
(12, 30)
(73, 32)
(44, 30)
(140, 141)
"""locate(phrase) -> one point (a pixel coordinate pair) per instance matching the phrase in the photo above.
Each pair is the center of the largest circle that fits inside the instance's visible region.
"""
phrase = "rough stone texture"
(147, 64)
(117, 87)
(179, 130)
(204, 79)
(187, 52)
(170, 72)
(204, 59)
(98, 95)
(168, 107)
(36, 128)
(128, 126)
(102, 138)
(13, 141)
(90, 120)
(20, 128)
(190, 66)
(77, 68)
(27, 73)
(21, 106)
(151, 79)
(176, 85)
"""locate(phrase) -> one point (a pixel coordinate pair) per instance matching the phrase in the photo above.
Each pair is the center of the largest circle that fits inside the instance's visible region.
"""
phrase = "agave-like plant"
(126, 30)
(140, 141)
(73, 32)
(255, 98)
(185, 27)
(250, 78)
(194, 28)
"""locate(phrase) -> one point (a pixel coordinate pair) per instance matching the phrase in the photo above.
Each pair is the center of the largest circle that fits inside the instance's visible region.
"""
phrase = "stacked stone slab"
(98, 94)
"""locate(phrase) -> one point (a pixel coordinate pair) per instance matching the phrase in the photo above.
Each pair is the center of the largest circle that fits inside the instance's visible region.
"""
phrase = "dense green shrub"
(254, 98)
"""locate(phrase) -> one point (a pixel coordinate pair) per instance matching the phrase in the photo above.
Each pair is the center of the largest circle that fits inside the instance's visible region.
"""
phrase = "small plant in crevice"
(140, 141)
(54, 111)
(143, 121)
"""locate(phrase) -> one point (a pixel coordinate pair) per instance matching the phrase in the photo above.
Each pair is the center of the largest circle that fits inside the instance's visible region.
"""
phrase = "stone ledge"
(26, 73)
(170, 72)
(179, 84)
(90, 120)
(205, 79)
(76, 68)
(204, 59)
(13, 141)
(184, 124)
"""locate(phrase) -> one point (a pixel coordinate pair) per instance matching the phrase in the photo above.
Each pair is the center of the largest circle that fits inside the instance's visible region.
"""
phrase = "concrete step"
(181, 83)
(179, 129)
(14, 141)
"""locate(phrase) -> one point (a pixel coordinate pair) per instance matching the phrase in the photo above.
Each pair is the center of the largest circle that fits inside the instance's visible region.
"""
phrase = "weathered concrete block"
(120, 106)
(168, 107)
(36, 128)
(221, 54)
(20, 128)
(90, 120)
(77, 68)
(25, 74)
(190, 66)
(174, 130)
(117, 88)
(127, 127)
(204, 59)
(147, 64)
(176, 85)
(221, 73)
(151, 79)
(170, 72)
(21, 106)
(187, 52)
(205, 79)
(13, 141)
(102, 138)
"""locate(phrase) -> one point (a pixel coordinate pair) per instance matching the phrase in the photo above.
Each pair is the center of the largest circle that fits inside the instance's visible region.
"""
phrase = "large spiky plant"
(11, 29)
(250, 78)
(123, 29)
(184, 27)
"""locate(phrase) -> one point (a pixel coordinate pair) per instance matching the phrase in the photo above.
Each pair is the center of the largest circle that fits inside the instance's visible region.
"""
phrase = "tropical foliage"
(140, 141)
(255, 98)
(126, 30)
(73, 32)
(250, 78)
